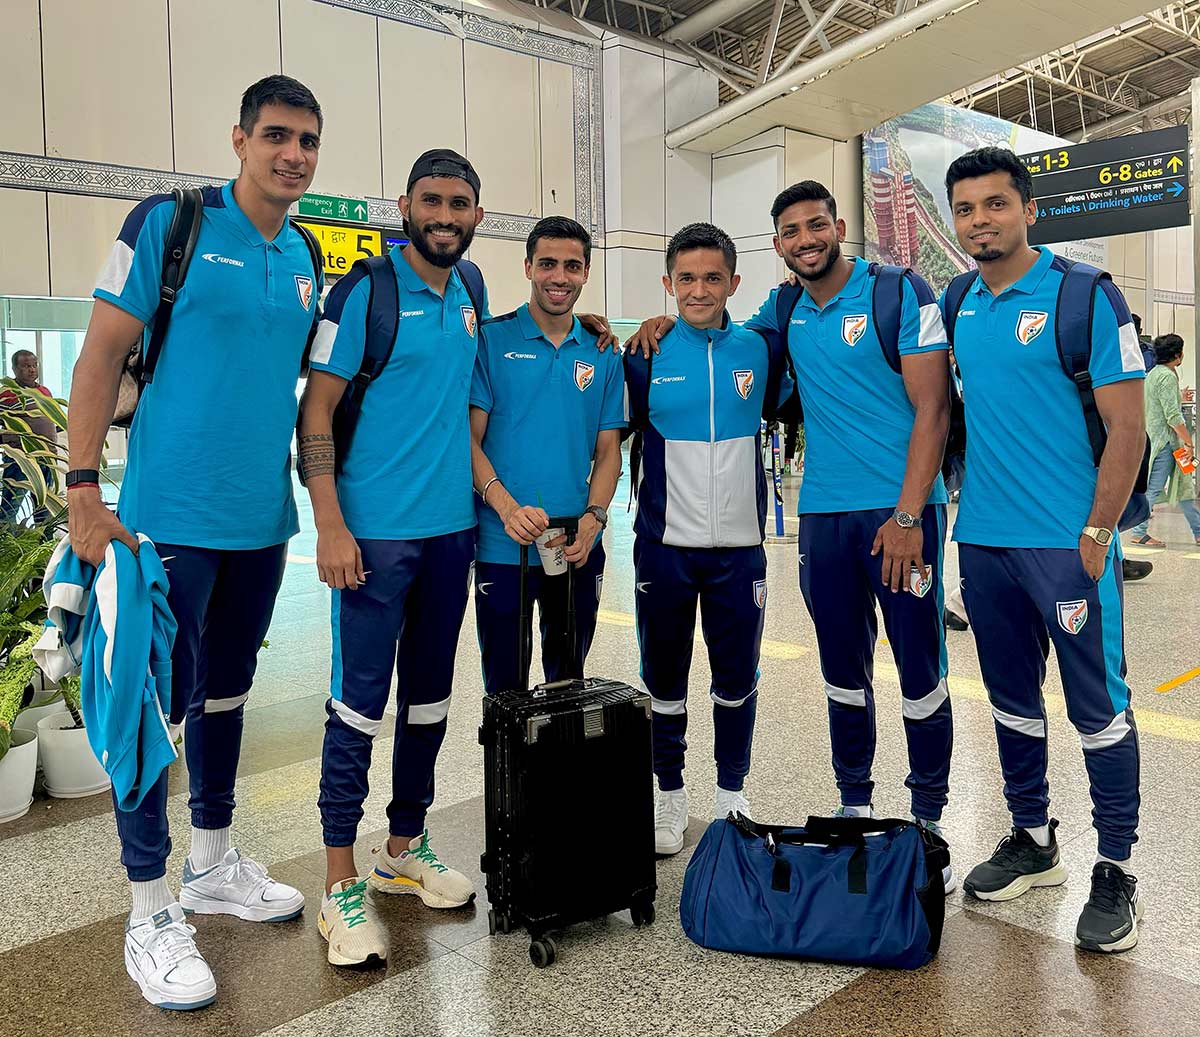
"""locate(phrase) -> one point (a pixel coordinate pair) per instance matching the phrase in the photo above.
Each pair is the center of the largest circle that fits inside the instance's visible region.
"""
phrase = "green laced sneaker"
(351, 927)
(418, 871)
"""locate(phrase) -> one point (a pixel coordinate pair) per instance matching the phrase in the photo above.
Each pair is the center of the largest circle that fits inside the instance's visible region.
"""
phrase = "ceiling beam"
(708, 18)
(768, 47)
(813, 32)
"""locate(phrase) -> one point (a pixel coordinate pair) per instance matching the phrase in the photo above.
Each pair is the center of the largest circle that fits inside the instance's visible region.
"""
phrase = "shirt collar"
(244, 224)
(1029, 282)
(854, 286)
(530, 329)
(700, 336)
(411, 280)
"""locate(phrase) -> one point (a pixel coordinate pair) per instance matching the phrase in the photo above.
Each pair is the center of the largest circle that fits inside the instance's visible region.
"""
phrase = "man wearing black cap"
(395, 540)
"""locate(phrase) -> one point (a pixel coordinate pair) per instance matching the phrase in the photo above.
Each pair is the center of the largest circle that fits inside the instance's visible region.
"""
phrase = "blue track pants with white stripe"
(405, 619)
(842, 583)
(1019, 600)
(730, 584)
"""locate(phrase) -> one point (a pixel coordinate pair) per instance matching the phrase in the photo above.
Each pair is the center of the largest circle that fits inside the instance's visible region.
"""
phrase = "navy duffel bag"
(856, 890)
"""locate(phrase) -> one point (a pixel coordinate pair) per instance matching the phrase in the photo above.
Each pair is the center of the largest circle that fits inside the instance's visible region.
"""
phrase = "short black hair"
(702, 235)
(1137, 322)
(559, 228)
(1167, 347)
(20, 353)
(277, 90)
(805, 191)
(983, 161)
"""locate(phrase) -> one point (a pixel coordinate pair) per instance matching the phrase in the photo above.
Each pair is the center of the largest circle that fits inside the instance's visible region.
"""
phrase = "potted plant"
(71, 767)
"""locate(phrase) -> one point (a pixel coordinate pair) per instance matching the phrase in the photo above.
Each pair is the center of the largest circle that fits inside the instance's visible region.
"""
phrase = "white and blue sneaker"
(864, 811)
(162, 959)
(241, 887)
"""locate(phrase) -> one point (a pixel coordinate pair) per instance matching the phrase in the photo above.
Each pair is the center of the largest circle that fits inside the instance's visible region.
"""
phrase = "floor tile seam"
(1128, 962)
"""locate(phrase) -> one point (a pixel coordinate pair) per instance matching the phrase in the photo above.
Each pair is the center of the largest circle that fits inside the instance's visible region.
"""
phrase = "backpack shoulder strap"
(383, 317)
(638, 372)
(786, 299)
(1073, 338)
(472, 278)
(956, 291)
(778, 361)
(887, 302)
(314, 250)
(178, 247)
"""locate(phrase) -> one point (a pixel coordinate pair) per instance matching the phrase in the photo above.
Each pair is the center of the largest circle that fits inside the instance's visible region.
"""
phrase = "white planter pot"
(17, 770)
(71, 768)
(27, 719)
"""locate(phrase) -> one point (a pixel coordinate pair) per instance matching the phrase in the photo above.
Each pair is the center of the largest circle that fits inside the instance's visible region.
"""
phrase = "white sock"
(149, 898)
(209, 845)
(859, 811)
(1040, 835)
(1123, 865)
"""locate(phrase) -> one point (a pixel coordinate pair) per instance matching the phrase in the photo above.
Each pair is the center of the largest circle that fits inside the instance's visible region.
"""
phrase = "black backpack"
(178, 247)
(1073, 339)
(383, 322)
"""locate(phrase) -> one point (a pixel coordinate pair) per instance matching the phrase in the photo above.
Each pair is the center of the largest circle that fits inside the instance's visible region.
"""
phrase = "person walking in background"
(1168, 432)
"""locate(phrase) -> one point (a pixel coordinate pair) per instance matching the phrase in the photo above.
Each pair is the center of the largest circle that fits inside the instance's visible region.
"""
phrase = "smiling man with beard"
(395, 541)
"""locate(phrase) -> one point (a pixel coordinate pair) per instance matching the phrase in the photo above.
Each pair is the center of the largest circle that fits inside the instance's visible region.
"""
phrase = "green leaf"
(31, 475)
(50, 407)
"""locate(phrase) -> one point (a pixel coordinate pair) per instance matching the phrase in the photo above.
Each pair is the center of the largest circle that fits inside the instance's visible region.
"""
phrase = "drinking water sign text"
(1115, 186)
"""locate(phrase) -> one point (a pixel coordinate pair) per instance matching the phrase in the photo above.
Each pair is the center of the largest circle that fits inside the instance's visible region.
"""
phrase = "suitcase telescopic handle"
(570, 526)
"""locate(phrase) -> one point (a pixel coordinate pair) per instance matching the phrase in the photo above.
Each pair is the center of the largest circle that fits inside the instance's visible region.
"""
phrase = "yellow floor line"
(1195, 554)
(1175, 682)
(300, 560)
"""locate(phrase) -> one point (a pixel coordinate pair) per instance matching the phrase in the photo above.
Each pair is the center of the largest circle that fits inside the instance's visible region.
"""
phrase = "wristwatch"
(1103, 537)
(904, 519)
(600, 514)
(84, 475)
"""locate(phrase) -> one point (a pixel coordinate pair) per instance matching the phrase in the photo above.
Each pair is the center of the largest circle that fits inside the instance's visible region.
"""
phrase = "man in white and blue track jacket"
(702, 496)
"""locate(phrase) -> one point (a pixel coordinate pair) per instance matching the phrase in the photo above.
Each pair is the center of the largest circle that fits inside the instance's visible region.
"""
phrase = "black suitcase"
(568, 793)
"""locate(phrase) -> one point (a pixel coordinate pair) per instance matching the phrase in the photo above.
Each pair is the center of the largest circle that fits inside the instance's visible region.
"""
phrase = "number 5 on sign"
(343, 246)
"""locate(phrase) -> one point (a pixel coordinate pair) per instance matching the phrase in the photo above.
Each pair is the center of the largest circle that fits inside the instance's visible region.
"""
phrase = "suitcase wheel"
(642, 914)
(499, 922)
(543, 952)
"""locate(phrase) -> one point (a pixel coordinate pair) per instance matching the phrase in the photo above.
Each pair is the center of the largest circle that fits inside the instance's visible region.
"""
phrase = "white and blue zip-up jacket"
(701, 482)
(112, 625)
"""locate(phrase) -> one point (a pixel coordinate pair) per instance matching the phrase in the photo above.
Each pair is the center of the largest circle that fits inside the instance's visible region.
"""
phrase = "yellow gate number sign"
(342, 246)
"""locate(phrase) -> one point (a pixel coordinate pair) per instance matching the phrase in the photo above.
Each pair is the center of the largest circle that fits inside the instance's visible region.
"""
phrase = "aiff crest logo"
(304, 288)
(584, 373)
(743, 381)
(760, 593)
(468, 316)
(1030, 324)
(853, 328)
(1072, 615)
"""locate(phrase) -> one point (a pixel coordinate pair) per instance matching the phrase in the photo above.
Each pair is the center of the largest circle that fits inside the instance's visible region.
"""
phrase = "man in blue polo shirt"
(872, 503)
(700, 516)
(546, 410)
(1039, 559)
(208, 480)
(395, 542)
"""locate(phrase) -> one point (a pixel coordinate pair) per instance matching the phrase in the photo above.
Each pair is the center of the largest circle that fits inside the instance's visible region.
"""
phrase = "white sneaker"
(726, 803)
(161, 958)
(670, 821)
(350, 925)
(949, 879)
(418, 870)
(845, 811)
(240, 887)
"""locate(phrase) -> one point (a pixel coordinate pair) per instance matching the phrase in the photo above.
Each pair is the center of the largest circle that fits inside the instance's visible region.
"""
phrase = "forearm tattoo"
(317, 455)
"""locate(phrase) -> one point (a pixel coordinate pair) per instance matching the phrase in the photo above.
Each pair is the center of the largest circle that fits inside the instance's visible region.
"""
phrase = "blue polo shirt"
(857, 415)
(210, 447)
(407, 474)
(545, 407)
(1030, 476)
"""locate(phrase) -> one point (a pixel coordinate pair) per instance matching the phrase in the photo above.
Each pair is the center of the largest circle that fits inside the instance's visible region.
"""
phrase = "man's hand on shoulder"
(597, 324)
(648, 336)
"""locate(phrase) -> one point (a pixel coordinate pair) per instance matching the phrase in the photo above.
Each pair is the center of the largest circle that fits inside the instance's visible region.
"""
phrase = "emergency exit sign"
(333, 207)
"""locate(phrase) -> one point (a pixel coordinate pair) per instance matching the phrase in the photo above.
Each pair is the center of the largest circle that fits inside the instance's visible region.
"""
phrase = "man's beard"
(831, 257)
(430, 253)
(988, 255)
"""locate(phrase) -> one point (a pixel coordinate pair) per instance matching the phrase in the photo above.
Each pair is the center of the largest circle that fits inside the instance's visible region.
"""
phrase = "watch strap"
(82, 475)
(600, 514)
(1103, 537)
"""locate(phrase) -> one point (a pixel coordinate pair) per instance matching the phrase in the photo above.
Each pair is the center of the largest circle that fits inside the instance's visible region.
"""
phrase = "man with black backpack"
(1052, 384)
(208, 480)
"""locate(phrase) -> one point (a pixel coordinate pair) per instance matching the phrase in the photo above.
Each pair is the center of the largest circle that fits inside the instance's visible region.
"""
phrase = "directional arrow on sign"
(1174, 164)
(1176, 189)
(360, 211)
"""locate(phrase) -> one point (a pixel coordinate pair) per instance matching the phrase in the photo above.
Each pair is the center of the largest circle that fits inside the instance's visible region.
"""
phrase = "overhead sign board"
(1115, 186)
(343, 246)
(333, 207)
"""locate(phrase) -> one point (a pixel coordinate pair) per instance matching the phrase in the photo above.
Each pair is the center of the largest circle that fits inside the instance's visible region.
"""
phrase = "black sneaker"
(953, 621)
(1132, 569)
(1016, 867)
(1109, 920)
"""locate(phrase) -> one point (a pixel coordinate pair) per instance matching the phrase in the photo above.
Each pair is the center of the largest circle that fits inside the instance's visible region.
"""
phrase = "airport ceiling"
(1132, 76)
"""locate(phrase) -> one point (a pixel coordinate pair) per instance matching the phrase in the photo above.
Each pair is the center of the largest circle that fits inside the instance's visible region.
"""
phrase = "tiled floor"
(1003, 969)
